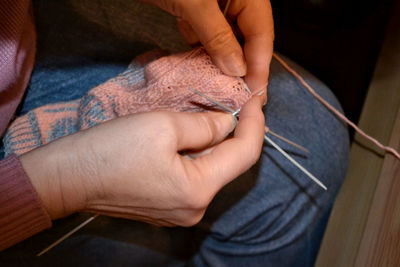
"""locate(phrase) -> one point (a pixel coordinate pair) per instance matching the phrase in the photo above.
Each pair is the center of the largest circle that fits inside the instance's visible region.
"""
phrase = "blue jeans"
(272, 215)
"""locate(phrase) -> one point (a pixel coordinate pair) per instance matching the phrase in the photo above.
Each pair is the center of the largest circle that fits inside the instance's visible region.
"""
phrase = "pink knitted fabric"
(160, 85)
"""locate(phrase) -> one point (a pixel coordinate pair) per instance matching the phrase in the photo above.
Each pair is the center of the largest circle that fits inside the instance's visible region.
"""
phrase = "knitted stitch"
(160, 85)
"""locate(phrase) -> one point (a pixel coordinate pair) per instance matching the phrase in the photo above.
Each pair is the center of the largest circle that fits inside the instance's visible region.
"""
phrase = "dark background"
(337, 40)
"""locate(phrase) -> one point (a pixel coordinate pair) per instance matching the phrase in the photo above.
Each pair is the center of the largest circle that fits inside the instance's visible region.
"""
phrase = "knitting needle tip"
(67, 235)
(224, 107)
(288, 141)
(286, 155)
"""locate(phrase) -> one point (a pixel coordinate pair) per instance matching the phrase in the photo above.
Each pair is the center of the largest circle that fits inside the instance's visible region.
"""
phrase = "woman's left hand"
(203, 20)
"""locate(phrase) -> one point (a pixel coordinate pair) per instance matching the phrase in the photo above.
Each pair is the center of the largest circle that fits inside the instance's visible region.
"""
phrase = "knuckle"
(193, 202)
(180, 8)
(173, 7)
(193, 199)
(196, 202)
(268, 36)
(165, 128)
(191, 219)
(195, 4)
(254, 155)
(220, 40)
(167, 122)
(271, 35)
(208, 127)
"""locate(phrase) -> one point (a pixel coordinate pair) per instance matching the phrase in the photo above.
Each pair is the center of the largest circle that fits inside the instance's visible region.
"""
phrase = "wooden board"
(358, 201)
(380, 244)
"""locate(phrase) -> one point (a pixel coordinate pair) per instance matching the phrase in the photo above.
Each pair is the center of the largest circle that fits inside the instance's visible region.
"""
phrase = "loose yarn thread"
(324, 102)
(334, 110)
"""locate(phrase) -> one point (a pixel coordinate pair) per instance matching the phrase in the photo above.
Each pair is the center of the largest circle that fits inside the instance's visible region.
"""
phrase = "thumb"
(234, 156)
(216, 35)
(196, 131)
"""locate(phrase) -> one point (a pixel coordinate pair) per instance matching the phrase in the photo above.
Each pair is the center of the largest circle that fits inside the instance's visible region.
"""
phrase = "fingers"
(214, 32)
(255, 21)
(203, 20)
(201, 130)
(187, 31)
(232, 157)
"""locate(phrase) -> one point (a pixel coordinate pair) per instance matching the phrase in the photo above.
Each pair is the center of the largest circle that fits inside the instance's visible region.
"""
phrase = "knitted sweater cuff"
(21, 211)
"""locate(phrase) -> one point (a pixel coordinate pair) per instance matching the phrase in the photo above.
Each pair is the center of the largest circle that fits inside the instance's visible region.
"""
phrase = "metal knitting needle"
(283, 139)
(295, 162)
(224, 107)
(228, 3)
(67, 235)
(288, 141)
(286, 155)
(236, 113)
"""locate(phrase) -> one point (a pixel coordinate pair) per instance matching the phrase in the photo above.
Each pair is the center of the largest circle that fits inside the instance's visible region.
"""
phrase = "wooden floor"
(364, 228)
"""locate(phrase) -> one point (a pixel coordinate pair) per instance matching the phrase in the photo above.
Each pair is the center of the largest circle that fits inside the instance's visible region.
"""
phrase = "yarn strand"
(334, 110)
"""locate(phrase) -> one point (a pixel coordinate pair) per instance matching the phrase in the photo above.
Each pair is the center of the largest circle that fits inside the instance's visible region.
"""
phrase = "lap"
(274, 211)
(271, 215)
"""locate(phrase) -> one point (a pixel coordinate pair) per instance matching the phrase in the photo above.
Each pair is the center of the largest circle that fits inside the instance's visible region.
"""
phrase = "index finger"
(255, 21)
(216, 35)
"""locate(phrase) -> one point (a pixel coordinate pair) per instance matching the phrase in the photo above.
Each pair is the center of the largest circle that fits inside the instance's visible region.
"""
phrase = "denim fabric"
(273, 215)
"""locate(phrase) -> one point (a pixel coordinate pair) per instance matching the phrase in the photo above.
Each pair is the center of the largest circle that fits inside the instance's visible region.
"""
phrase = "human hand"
(132, 166)
(202, 20)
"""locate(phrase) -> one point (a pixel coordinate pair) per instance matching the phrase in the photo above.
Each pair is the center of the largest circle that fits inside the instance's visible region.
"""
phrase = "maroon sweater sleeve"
(21, 211)
(17, 54)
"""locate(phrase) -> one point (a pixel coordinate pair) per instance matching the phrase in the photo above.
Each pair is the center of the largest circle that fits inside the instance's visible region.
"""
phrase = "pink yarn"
(335, 111)
(160, 85)
(165, 87)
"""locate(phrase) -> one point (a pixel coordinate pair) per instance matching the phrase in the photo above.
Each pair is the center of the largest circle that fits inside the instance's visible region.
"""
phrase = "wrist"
(51, 169)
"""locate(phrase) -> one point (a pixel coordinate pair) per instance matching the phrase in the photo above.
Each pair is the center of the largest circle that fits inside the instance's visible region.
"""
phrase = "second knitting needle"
(266, 138)
(286, 155)
(67, 235)
(236, 113)
(288, 141)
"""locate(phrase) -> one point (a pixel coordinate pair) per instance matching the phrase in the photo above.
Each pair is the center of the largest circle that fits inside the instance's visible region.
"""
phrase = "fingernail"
(234, 123)
(225, 122)
(266, 96)
(234, 65)
(262, 93)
